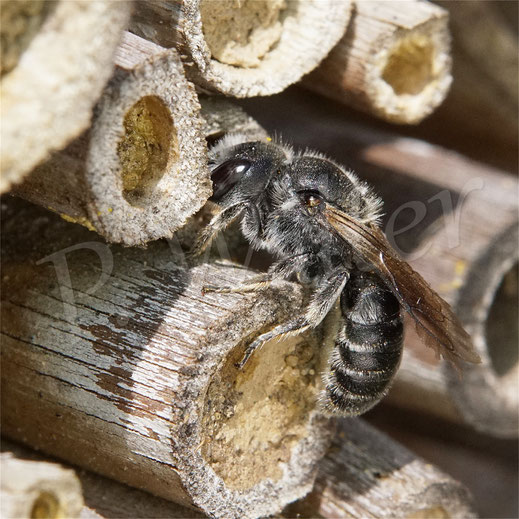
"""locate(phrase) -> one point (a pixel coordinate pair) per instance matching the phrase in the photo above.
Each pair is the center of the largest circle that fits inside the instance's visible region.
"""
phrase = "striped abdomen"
(367, 348)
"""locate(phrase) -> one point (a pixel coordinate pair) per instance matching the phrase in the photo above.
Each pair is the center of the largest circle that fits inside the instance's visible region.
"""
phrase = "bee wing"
(435, 322)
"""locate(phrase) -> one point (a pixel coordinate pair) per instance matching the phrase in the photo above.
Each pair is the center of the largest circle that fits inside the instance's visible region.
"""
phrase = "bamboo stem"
(56, 59)
(367, 475)
(141, 169)
(245, 48)
(393, 61)
(128, 370)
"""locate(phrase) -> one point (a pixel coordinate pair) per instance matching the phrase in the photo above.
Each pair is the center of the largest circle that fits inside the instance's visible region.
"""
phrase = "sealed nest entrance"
(409, 67)
(254, 417)
(241, 32)
(149, 145)
(502, 329)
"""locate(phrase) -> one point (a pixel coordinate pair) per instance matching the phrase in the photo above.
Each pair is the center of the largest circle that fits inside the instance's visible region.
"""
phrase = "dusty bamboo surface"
(56, 59)
(468, 256)
(38, 489)
(367, 475)
(140, 170)
(245, 48)
(393, 61)
(221, 117)
(114, 360)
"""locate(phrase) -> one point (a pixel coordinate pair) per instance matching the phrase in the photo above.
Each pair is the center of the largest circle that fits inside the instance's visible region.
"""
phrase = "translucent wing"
(435, 321)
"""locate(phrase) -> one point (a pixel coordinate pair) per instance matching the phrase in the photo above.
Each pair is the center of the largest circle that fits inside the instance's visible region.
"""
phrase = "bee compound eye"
(227, 175)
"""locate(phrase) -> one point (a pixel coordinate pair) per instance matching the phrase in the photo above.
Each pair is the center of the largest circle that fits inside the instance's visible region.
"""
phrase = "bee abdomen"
(367, 352)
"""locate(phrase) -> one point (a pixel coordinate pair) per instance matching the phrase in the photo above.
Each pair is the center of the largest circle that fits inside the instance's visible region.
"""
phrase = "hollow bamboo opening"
(46, 506)
(241, 32)
(20, 21)
(255, 416)
(410, 65)
(502, 330)
(148, 147)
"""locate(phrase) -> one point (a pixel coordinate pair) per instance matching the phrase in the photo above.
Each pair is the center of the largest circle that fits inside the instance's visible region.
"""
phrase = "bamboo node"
(148, 147)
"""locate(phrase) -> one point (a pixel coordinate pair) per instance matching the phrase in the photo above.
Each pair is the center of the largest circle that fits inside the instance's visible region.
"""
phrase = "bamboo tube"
(470, 256)
(367, 475)
(483, 97)
(141, 169)
(37, 489)
(364, 474)
(393, 61)
(244, 48)
(128, 370)
(221, 117)
(56, 58)
(461, 219)
(102, 497)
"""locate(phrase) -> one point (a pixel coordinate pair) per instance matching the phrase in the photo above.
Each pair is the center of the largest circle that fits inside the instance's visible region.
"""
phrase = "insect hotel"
(191, 301)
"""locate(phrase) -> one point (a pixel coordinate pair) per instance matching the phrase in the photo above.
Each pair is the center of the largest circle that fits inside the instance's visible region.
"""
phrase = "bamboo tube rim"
(410, 76)
(500, 261)
(148, 130)
(290, 56)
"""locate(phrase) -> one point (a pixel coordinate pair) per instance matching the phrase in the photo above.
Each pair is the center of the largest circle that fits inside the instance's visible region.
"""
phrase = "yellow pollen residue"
(81, 220)
(459, 269)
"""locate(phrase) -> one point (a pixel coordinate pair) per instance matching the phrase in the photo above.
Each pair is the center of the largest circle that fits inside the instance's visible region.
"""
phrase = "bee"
(321, 224)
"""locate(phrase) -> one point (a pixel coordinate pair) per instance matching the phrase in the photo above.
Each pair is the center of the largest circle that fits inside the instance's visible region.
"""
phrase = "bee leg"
(252, 285)
(279, 270)
(294, 327)
(324, 298)
(322, 301)
(219, 222)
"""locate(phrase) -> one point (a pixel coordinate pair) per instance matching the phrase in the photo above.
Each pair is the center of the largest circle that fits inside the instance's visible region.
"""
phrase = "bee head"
(242, 169)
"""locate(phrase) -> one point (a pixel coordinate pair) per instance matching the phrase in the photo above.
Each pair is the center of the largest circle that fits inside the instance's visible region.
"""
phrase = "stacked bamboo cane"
(112, 359)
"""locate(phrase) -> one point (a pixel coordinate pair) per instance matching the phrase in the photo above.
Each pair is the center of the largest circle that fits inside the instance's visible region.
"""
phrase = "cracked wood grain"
(134, 377)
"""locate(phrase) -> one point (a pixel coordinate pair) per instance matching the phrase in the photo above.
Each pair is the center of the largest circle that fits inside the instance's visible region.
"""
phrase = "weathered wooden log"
(245, 48)
(455, 220)
(141, 169)
(119, 364)
(393, 61)
(37, 489)
(56, 58)
(366, 474)
(485, 70)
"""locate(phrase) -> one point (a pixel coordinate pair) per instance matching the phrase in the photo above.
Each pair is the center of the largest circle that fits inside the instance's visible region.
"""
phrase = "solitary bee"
(321, 223)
